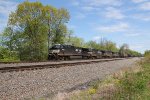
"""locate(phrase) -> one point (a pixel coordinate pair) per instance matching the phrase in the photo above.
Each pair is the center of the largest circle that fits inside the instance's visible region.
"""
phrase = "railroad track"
(17, 62)
(9, 67)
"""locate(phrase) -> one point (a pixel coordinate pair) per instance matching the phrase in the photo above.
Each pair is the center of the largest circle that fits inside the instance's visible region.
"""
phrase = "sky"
(121, 21)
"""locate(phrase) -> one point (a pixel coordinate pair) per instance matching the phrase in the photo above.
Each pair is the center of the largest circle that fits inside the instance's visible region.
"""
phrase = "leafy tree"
(1, 54)
(92, 44)
(124, 50)
(103, 45)
(0, 39)
(59, 35)
(7, 55)
(79, 42)
(34, 28)
(147, 53)
(56, 23)
(8, 38)
(73, 40)
(147, 56)
(30, 29)
(68, 36)
(134, 53)
(108, 45)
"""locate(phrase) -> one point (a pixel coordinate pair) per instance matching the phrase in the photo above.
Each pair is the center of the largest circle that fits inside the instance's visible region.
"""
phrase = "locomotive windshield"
(56, 47)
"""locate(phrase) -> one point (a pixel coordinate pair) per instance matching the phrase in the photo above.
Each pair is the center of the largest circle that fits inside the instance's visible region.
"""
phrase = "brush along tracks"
(9, 67)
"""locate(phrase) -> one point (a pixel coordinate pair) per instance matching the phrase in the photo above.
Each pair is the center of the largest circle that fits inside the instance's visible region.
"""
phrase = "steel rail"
(42, 65)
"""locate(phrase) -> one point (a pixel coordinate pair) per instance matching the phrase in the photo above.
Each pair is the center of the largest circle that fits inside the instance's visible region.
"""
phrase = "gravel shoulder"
(46, 82)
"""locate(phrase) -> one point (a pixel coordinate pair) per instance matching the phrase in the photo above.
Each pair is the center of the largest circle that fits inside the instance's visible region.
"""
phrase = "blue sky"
(121, 21)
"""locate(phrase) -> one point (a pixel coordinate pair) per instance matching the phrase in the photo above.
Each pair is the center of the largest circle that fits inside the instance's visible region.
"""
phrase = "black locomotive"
(64, 52)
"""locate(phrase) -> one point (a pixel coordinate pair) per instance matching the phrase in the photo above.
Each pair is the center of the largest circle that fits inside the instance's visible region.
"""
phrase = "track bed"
(51, 64)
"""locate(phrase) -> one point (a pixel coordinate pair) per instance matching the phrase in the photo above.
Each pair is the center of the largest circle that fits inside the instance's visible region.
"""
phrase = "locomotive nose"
(54, 51)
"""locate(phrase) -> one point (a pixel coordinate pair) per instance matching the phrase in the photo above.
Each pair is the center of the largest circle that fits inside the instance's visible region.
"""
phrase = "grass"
(9, 60)
(129, 84)
(133, 86)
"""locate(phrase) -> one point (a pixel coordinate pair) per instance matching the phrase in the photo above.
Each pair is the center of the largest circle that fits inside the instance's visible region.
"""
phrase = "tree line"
(33, 28)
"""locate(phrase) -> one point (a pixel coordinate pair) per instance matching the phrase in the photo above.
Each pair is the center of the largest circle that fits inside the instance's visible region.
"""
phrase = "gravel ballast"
(45, 82)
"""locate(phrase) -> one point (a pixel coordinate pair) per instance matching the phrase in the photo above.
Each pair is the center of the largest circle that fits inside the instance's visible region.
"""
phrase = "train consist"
(66, 52)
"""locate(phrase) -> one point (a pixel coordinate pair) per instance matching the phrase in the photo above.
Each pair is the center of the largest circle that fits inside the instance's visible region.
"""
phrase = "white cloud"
(80, 16)
(132, 34)
(114, 13)
(138, 1)
(88, 8)
(97, 38)
(145, 6)
(138, 47)
(135, 47)
(104, 2)
(121, 27)
(144, 17)
(2, 21)
(6, 6)
(72, 27)
(92, 5)
(75, 3)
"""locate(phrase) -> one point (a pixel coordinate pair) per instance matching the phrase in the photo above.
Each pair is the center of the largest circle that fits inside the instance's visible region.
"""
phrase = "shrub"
(7, 55)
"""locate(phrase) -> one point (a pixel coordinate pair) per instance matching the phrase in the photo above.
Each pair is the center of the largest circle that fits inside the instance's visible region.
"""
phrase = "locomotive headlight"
(89, 52)
(55, 51)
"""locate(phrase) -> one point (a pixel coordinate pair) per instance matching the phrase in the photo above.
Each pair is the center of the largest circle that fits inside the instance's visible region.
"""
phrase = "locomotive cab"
(55, 51)
(55, 48)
